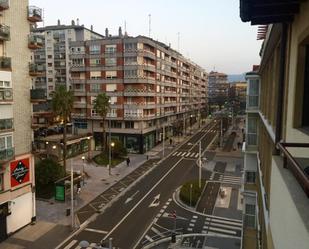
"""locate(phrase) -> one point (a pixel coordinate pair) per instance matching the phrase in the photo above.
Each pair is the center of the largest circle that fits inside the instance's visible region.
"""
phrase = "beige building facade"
(17, 187)
(280, 155)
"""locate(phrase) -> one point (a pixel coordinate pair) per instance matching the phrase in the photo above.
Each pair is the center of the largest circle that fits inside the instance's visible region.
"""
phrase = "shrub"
(196, 192)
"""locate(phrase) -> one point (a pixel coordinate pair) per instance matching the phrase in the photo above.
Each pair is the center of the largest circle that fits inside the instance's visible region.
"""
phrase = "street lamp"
(109, 142)
(83, 158)
(89, 145)
(191, 116)
(111, 145)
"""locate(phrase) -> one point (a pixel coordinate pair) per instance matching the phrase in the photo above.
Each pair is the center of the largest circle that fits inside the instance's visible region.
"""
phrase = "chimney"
(58, 22)
(91, 27)
(106, 32)
(77, 21)
(73, 23)
(120, 32)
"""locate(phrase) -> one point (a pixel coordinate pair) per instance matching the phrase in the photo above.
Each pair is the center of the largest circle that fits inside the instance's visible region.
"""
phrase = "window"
(6, 124)
(49, 56)
(129, 125)
(77, 62)
(113, 100)
(305, 111)
(5, 84)
(252, 131)
(250, 177)
(131, 60)
(6, 142)
(95, 62)
(93, 113)
(253, 100)
(1, 182)
(95, 74)
(112, 113)
(130, 73)
(50, 79)
(110, 62)
(94, 49)
(110, 49)
(95, 87)
(80, 123)
(111, 87)
(130, 46)
(250, 215)
(115, 124)
(49, 64)
(111, 74)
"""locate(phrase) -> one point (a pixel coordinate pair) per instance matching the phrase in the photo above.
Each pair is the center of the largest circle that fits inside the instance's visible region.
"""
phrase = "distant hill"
(236, 77)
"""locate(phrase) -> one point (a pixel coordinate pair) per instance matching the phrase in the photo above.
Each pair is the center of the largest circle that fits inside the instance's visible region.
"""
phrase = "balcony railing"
(6, 94)
(6, 154)
(301, 174)
(34, 14)
(36, 69)
(37, 95)
(5, 63)
(35, 42)
(4, 32)
(4, 4)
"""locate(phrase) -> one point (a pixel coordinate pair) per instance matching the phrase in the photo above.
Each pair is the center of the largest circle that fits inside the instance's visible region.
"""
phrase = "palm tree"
(102, 106)
(62, 105)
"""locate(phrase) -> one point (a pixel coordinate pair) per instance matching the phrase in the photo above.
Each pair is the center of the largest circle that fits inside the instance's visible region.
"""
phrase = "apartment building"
(149, 84)
(218, 90)
(237, 96)
(17, 183)
(276, 192)
(50, 64)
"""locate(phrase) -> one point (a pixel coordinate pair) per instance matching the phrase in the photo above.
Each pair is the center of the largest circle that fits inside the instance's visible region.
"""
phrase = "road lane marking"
(222, 230)
(142, 199)
(194, 216)
(131, 198)
(223, 221)
(96, 230)
(72, 243)
(149, 238)
(156, 201)
(157, 231)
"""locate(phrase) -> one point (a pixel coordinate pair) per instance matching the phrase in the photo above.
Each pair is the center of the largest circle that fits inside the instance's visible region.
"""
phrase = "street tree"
(62, 106)
(102, 106)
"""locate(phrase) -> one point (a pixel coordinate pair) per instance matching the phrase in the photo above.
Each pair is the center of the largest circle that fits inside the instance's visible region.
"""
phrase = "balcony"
(34, 14)
(5, 63)
(35, 42)
(4, 4)
(6, 124)
(6, 154)
(4, 32)
(36, 69)
(299, 166)
(37, 95)
(6, 94)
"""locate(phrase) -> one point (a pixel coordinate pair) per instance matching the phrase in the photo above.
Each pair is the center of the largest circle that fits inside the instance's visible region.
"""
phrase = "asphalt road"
(132, 213)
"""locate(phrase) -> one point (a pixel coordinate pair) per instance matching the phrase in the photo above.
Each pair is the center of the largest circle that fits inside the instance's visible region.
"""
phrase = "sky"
(211, 33)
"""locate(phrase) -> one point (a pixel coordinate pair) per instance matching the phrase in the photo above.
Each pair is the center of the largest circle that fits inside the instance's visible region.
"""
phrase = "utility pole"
(163, 152)
(109, 148)
(72, 196)
(200, 164)
(184, 125)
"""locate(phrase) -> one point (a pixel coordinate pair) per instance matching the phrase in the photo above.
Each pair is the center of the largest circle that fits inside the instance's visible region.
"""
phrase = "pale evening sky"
(211, 32)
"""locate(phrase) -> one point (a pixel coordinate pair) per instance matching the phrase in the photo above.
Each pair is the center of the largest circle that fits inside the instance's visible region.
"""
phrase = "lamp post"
(72, 196)
(89, 145)
(191, 116)
(191, 185)
(83, 158)
(111, 145)
(163, 152)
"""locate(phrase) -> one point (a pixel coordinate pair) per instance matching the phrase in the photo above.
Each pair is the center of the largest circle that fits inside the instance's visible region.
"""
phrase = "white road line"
(148, 238)
(179, 153)
(96, 230)
(174, 154)
(196, 155)
(225, 226)
(146, 195)
(194, 216)
(72, 243)
(193, 221)
(223, 221)
(170, 199)
(222, 230)
(191, 225)
(189, 229)
(184, 153)
(188, 154)
(157, 232)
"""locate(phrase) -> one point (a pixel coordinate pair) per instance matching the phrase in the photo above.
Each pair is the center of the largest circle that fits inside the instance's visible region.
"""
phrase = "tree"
(62, 105)
(119, 150)
(102, 106)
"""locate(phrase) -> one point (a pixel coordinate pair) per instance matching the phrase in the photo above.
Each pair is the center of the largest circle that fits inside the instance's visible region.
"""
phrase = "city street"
(127, 218)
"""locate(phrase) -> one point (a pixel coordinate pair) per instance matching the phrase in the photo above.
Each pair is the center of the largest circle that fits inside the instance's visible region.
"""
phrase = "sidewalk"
(52, 225)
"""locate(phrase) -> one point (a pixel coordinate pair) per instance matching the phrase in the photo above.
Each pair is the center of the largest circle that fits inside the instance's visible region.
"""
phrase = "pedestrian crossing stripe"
(185, 154)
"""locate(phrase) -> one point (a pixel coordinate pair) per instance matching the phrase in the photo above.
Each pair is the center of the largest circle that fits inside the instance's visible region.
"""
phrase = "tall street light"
(83, 158)
(89, 147)
(111, 145)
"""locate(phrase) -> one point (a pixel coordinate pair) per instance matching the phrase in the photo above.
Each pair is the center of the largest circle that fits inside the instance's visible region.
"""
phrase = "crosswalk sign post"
(174, 216)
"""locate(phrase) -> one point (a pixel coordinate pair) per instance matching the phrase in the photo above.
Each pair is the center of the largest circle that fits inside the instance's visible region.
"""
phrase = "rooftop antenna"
(149, 16)
(125, 26)
(178, 36)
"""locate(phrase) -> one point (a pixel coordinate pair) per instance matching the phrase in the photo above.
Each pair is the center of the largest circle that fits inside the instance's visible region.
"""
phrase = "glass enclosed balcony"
(6, 154)
(35, 41)
(4, 4)
(4, 32)
(5, 63)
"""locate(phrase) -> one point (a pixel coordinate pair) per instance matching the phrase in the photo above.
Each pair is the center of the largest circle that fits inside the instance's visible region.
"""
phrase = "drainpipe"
(282, 64)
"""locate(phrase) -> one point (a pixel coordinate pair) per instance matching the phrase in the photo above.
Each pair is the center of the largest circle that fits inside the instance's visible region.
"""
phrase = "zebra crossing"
(185, 154)
(229, 179)
(215, 225)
